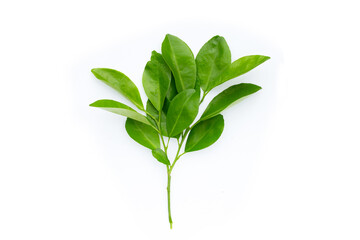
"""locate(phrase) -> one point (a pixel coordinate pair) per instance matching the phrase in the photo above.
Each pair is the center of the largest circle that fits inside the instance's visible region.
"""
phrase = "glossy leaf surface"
(213, 58)
(160, 155)
(242, 66)
(156, 80)
(142, 133)
(121, 109)
(180, 59)
(205, 133)
(121, 83)
(182, 111)
(228, 96)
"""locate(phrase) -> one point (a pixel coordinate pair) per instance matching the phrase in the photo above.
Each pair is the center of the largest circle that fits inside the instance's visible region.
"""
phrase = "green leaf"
(161, 156)
(121, 83)
(228, 96)
(213, 58)
(182, 111)
(119, 108)
(142, 133)
(156, 80)
(172, 92)
(155, 114)
(242, 66)
(205, 133)
(197, 87)
(180, 59)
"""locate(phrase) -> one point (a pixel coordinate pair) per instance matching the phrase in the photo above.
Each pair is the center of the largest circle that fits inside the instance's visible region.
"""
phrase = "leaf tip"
(94, 104)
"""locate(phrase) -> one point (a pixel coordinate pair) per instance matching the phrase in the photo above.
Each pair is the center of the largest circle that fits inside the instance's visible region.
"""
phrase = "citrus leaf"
(213, 58)
(119, 108)
(182, 111)
(161, 156)
(205, 133)
(241, 66)
(142, 134)
(121, 83)
(180, 59)
(228, 96)
(172, 92)
(156, 80)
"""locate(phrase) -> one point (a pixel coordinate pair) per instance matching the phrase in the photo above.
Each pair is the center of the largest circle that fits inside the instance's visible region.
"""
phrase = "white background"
(286, 167)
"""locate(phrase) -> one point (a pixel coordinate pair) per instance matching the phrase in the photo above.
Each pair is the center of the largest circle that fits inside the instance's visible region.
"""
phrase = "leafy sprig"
(176, 84)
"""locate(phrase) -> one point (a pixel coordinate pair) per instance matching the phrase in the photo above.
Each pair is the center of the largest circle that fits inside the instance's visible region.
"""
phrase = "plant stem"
(168, 195)
(203, 97)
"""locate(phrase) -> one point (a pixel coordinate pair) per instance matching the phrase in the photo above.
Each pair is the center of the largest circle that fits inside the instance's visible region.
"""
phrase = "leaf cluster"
(176, 83)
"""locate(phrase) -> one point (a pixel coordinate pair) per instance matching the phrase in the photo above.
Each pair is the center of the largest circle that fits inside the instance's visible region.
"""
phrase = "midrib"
(177, 67)
(182, 109)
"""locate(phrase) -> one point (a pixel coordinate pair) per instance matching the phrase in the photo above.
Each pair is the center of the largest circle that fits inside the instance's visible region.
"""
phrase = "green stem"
(168, 196)
(203, 97)
(169, 169)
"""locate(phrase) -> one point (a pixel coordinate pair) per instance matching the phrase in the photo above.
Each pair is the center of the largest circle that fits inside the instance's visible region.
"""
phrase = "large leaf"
(182, 111)
(205, 133)
(121, 83)
(228, 96)
(142, 133)
(155, 114)
(213, 58)
(119, 108)
(156, 80)
(161, 156)
(180, 59)
(241, 66)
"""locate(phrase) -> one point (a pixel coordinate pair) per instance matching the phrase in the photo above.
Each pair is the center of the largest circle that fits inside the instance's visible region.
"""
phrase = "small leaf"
(213, 58)
(205, 133)
(161, 156)
(182, 111)
(156, 80)
(119, 108)
(228, 96)
(172, 92)
(121, 83)
(142, 134)
(242, 66)
(180, 59)
(155, 114)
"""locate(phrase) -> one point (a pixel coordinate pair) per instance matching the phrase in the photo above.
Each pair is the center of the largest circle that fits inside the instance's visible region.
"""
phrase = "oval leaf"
(241, 66)
(121, 83)
(228, 96)
(121, 109)
(182, 111)
(161, 156)
(180, 59)
(156, 80)
(205, 133)
(142, 134)
(213, 58)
